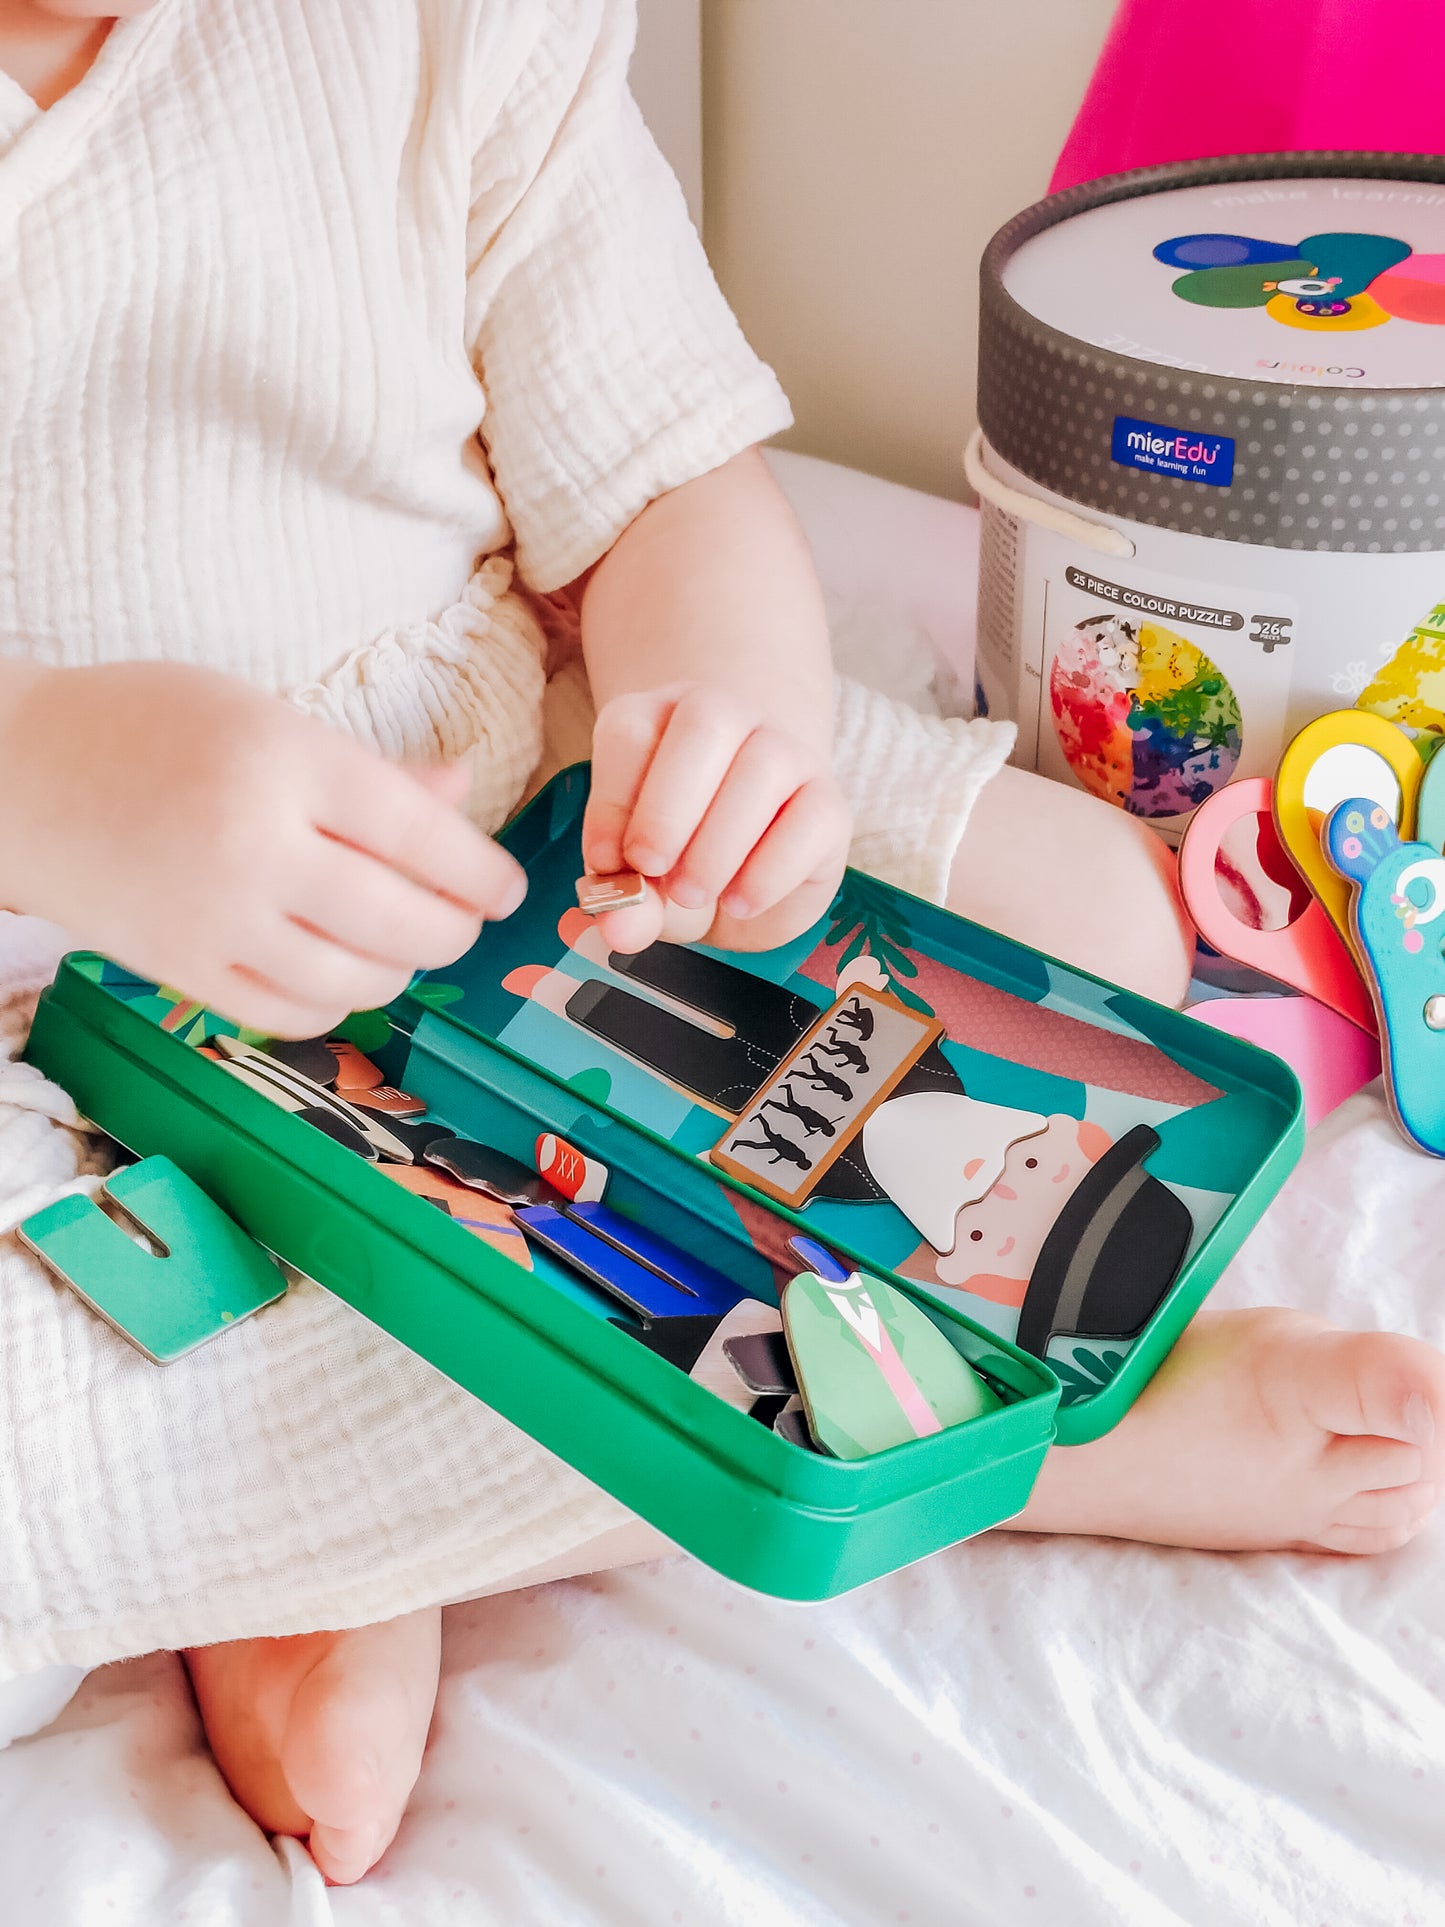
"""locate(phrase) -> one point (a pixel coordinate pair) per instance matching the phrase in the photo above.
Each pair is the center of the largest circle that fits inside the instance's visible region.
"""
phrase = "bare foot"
(1263, 1430)
(322, 1736)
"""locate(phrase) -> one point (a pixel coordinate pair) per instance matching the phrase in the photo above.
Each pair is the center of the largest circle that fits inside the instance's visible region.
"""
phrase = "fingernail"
(650, 862)
(1419, 1419)
(686, 894)
(513, 897)
(737, 906)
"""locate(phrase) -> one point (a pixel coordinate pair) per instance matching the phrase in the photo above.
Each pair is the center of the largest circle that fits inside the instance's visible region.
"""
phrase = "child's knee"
(1153, 942)
(1077, 879)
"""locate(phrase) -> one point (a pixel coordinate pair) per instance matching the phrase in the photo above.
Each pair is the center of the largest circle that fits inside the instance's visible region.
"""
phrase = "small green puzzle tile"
(210, 1276)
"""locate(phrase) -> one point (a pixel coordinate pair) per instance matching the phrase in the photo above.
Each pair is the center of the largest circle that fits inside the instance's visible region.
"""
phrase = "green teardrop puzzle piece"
(874, 1371)
(211, 1276)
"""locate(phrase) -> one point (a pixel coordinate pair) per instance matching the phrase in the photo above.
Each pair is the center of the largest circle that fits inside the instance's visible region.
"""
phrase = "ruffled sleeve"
(613, 368)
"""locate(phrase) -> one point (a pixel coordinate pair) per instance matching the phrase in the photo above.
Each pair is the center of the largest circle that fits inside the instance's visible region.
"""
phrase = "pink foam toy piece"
(1308, 954)
(1331, 1057)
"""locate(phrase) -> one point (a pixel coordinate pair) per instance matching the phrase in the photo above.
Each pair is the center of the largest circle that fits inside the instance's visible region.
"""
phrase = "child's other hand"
(210, 836)
(739, 826)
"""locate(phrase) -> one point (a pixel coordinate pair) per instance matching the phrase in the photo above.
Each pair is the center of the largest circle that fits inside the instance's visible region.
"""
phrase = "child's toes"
(1374, 1384)
(1380, 1521)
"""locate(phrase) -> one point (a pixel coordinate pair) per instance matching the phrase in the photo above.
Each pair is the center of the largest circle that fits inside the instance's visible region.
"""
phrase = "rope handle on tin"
(1028, 508)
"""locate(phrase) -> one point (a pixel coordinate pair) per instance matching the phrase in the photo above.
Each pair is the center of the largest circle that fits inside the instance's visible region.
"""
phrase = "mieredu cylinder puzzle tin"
(1211, 463)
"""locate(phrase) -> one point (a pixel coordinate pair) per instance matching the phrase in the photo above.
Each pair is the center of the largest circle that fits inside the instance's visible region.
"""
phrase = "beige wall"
(858, 154)
(667, 80)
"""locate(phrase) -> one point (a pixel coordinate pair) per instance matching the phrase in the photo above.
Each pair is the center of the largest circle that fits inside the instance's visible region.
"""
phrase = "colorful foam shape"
(1331, 1057)
(1309, 954)
(873, 1370)
(1221, 251)
(209, 1274)
(1398, 908)
(934, 1152)
(1343, 754)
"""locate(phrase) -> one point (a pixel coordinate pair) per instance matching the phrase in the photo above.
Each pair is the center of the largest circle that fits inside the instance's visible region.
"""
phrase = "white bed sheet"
(1073, 1733)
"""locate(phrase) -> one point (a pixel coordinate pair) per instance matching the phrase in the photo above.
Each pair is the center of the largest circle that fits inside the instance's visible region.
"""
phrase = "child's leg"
(1077, 879)
(1264, 1428)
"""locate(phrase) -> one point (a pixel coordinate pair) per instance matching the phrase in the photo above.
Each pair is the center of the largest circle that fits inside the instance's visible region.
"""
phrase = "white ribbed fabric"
(310, 311)
(265, 276)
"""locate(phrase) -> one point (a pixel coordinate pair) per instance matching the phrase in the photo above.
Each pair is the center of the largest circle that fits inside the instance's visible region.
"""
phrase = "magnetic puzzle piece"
(570, 1171)
(387, 1101)
(261, 1071)
(768, 1016)
(497, 1173)
(210, 1276)
(1399, 898)
(783, 1145)
(493, 1223)
(1112, 1254)
(625, 1271)
(934, 1153)
(322, 1116)
(873, 1369)
(353, 1072)
(710, 1290)
(763, 1362)
(713, 1367)
(596, 895)
(506, 1179)
(313, 1057)
(998, 1239)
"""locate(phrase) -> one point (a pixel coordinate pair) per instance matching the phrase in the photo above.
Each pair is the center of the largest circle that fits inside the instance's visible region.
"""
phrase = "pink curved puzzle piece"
(1331, 1057)
(1308, 954)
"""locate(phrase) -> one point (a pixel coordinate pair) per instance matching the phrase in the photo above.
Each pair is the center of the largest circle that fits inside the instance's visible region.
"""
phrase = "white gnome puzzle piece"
(934, 1152)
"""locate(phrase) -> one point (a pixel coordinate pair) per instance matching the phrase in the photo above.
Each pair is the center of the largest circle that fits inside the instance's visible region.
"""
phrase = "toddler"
(344, 341)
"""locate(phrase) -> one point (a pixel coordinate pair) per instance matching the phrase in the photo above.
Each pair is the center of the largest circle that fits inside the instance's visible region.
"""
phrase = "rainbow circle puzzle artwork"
(1330, 282)
(1145, 719)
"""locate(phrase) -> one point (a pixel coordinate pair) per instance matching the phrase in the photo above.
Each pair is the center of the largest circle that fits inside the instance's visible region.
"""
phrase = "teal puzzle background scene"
(1021, 1032)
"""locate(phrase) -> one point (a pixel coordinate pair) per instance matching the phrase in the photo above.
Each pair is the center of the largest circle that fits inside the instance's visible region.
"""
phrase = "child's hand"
(740, 827)
(211, 837)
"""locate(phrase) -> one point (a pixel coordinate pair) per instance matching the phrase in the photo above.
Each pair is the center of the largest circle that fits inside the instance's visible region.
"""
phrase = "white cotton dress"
(331, 333)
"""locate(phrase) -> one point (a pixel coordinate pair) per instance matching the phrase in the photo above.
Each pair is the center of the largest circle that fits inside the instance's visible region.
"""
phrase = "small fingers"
(806, 844)
(363, 906)
(632, 930)
(255, 1004)
(705, 738)
(386, 813)
(315, 973)
(627, 732)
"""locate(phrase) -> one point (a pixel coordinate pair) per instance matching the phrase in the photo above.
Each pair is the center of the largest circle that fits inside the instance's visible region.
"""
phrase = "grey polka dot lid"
(1250, 348)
